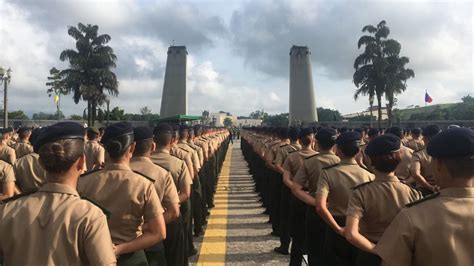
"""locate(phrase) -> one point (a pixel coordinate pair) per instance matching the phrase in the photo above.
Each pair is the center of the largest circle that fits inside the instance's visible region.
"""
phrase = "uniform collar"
(458, 192)
(183, 141)
(162, 151)
(140, 159)
(386, 178)
(116, 166)
(348, 161)
(59, 188)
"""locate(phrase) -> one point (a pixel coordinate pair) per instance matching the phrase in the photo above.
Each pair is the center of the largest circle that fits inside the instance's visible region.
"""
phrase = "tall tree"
(90, 75)
(369, 75)
(397, 76)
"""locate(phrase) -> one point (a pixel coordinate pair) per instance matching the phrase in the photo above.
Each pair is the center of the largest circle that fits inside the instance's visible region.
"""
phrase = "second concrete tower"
(174, 100)
(302, 101)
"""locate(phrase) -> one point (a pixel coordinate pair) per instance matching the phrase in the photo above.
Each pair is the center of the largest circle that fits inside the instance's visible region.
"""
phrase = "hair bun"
(114, 147)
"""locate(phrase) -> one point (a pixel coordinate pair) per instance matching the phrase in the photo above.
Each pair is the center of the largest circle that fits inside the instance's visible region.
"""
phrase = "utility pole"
(5, 77)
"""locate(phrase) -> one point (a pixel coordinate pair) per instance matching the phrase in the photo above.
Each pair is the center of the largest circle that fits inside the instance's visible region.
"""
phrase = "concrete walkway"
(237, 231)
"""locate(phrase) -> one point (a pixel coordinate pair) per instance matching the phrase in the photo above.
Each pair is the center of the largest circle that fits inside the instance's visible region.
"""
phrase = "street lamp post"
(5, 77)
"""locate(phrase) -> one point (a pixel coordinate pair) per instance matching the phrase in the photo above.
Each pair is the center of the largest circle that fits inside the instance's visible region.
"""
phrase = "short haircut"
(459, 167)
(162, 139)
(305, 140)
(23, 134)
(92, 135)
(142, 147)
(386, 163)
(349, 150)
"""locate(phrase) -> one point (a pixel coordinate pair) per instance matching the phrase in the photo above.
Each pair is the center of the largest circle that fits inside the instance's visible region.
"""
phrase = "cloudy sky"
(238, 50)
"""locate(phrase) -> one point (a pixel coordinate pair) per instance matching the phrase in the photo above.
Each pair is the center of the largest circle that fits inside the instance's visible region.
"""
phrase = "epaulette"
(365, 168)
(104, 210)
(431, 196)
(145, 176)
(292, 151)
(312, 156)
(419, 150)
(331, 166)
(284, 145)
(19, 196)
(8, 162)
(183, 149)
(162, 166)
(90, 172)
(361, 185)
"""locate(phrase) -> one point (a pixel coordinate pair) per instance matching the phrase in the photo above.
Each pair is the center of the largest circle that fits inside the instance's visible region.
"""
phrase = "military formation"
(367, 196)
(116, 196)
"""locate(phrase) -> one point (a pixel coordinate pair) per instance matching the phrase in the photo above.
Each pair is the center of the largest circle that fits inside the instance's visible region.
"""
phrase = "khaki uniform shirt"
(7, 154)
(95, 155)
(194, 155)
(421, 162)
(130, 197)
(6, 174)
(282, 152)
(164, 184)
(415, 144)
(54, 227)
(337, 182)
(308, 174)
(30, 175)
(435, 232)
(183, 155)
(22, 149)
(403, 168)
(295, 159)
(199, 152)
(177, 168)
(377, 203)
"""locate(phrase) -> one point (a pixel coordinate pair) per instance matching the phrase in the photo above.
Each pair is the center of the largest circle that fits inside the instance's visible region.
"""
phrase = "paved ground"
(238, 232)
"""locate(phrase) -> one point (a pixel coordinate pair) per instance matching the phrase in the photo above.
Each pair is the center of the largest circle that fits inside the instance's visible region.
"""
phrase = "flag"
(56, 99)
(428, 98)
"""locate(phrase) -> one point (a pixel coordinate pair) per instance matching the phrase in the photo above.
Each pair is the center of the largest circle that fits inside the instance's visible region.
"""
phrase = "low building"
(248, 122)
(217, 119)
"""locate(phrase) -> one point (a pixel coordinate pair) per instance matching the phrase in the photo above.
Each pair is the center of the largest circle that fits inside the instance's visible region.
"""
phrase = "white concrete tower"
(174, 100)
(302, 101)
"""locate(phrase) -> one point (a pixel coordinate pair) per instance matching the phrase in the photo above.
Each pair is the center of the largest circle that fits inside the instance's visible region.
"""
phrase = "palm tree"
(369, 75)
(397, 75)
(89, 74)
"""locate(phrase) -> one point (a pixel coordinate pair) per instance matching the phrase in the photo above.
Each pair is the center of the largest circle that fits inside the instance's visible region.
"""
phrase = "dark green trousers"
(136, 258)
(156, 255)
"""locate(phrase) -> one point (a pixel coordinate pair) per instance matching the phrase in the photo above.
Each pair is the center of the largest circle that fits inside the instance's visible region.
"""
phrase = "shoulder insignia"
(24, 194)
(365, 168)
(284, 145)
(331, 166)
(104, 210)
(361, 185)
(183, 149)
(419, 150)
(162, 166)
(312, 156)
(145, 176)
(431, 196)
(292, 151)
(90, 172)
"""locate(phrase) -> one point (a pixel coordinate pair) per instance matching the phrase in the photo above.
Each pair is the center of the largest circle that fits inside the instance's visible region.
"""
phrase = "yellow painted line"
(213, 247)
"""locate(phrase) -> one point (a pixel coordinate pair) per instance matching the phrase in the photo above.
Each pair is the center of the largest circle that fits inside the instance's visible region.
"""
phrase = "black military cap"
(431, 130)
(373, 132)
(454, 142)
(175, 128)
(416, 131)
(382, 145)
(348, 138)
(163, 128)
(395, 131)
(58, 131)
(93, 130)
(326, 134)
(142, 133)
(283, 132)
(22, 130)
(293, 133)
(117, 130)
(359, 130)
(305, 132)
(343, 129)
(183, 128)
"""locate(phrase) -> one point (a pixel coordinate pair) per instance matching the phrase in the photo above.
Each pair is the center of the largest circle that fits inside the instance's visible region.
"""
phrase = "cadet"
(297, 207)
(29, 174)
(420, 165)
(130, 197)
(54, 226)
(285, 192)
(7, 180)
(164, 186)
(176, 244)
(23, 146)
(305, 185)
(438, 230)
(334, 186)
(416, 142)
(373, 205)
(95, 153)
(403, 168)
(7, 153)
